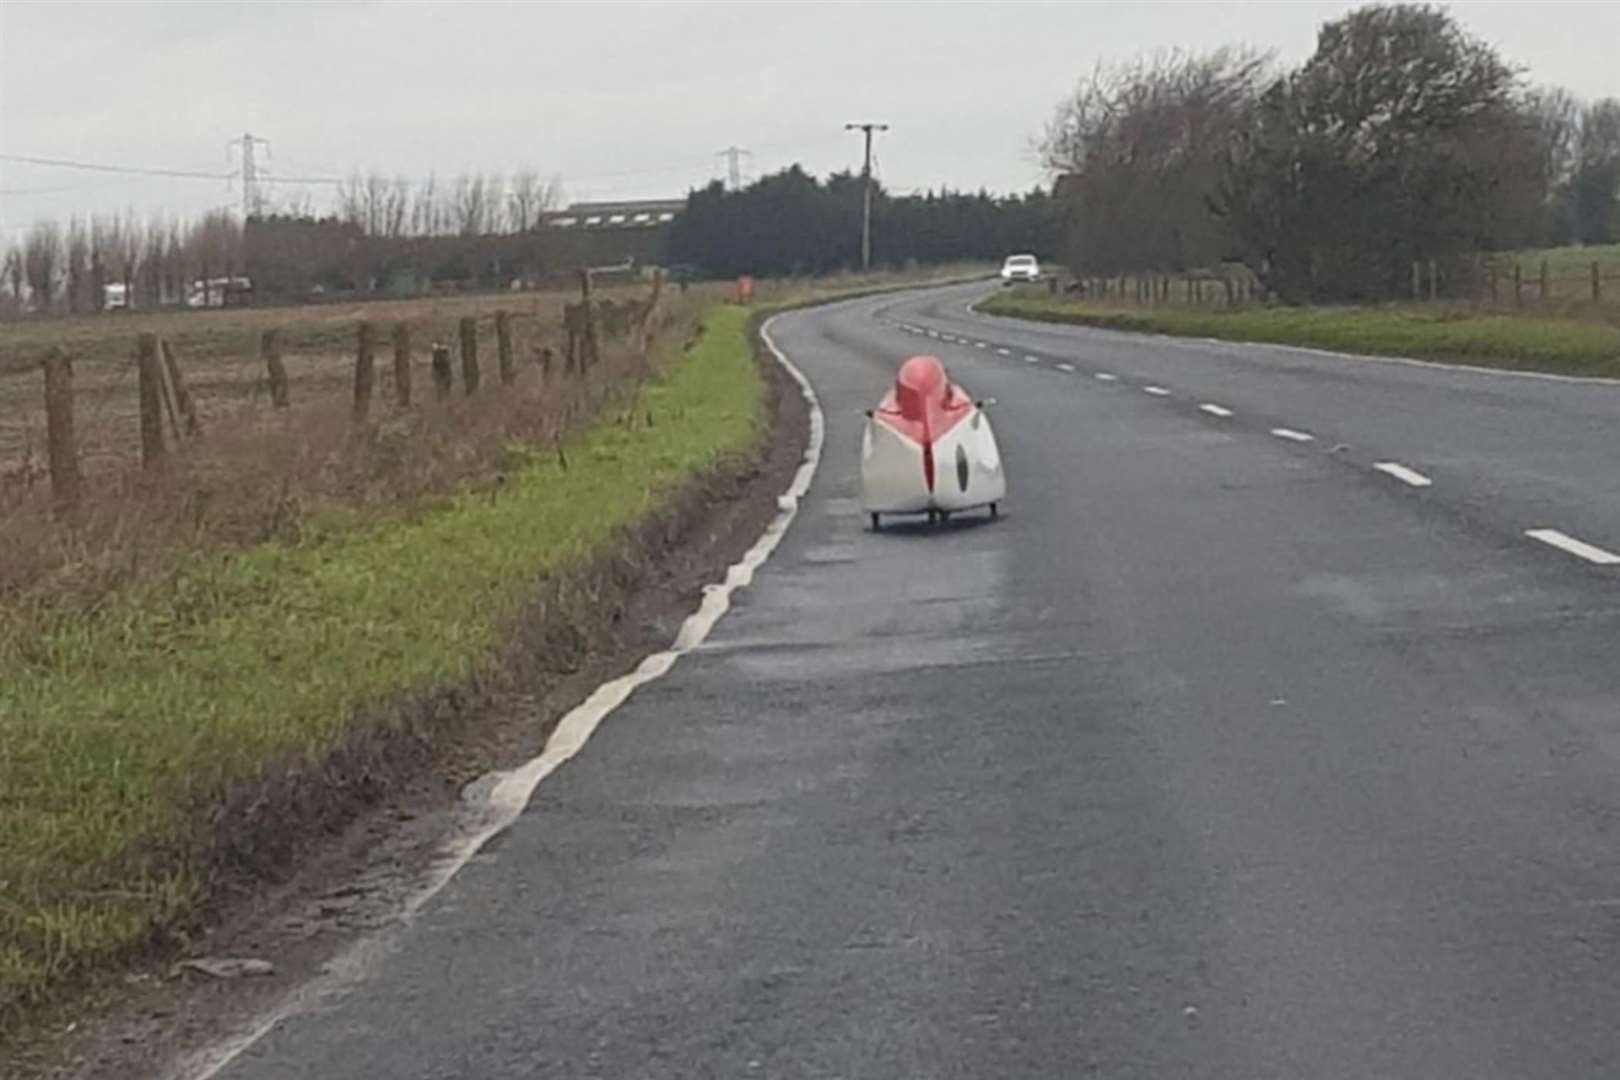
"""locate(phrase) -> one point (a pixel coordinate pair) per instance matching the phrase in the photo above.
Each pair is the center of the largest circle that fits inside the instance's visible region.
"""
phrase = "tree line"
(57, 267)
(791, 223)
(1401, 138)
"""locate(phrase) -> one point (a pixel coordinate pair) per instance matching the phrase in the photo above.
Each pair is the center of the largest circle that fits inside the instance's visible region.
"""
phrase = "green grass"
(1507, 341)
(115, 730)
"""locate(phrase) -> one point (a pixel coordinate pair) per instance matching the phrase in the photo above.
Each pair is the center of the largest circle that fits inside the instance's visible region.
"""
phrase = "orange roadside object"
(745, 289)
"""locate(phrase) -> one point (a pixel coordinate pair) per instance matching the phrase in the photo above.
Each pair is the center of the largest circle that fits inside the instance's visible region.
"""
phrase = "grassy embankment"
(1520, 341)
(122, 731)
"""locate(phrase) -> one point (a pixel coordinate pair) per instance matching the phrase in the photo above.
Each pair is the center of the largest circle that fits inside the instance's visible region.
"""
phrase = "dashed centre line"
(1403, 474)
(1216, 410)
(1105, 376)
(1156, 391)
(1578, 548)
(1004, 352)
(1065, 367)
(1292, 435)
(980, 345)
(1032, 359)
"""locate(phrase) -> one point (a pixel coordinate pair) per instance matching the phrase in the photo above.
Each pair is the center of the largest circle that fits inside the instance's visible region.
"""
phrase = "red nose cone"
(920, 383)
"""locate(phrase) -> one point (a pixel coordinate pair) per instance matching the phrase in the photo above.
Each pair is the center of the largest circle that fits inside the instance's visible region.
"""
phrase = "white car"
(1020, 268)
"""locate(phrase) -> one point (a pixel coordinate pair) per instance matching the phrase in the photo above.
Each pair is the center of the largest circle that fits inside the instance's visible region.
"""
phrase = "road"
(1225, 753)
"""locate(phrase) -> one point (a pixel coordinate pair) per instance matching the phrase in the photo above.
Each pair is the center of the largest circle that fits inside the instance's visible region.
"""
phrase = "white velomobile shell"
(892, 473)
(967, 469)
(967, 465)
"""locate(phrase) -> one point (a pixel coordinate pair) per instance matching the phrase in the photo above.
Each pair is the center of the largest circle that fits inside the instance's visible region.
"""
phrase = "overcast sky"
(615, 99)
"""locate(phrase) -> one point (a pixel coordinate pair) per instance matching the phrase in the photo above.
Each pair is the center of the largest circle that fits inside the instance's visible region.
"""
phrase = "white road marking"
(1156, 391)
(1106, 377)
(1216, 410)
(1065, 367)
(1575, 547)
(980, 345)
(1290, 433)
(1402, 473)
(511, 792)
(1032, 359)
(1004, 352)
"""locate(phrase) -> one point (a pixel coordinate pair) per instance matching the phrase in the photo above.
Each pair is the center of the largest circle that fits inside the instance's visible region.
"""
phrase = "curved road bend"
(1225, 753)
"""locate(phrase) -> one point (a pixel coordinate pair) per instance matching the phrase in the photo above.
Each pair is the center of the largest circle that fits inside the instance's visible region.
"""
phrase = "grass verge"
(1567, 346)
(122, 733)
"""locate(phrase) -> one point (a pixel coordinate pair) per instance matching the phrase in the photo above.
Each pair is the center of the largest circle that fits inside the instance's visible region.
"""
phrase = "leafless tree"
(470, 206)
(42, 261)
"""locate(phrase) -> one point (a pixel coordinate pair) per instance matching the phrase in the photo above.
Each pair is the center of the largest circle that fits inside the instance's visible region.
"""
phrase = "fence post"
(1518, 284)
(151, 397)
(503, 347)
(1417, 281)
(1490, 279)
(590, 347)
(270, 349)
(182, 396)
(1434, 280)
(469, 354)
(1546, 295)
(67, 483)
(1597, 284)
(443, 378)
(402, 364)
(364, 370)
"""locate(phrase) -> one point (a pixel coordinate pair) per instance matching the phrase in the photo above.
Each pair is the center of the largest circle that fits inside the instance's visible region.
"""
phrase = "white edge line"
(1291, 434)
(1402, 473)
(1216, 410)
(512, 790)
(1578, 548)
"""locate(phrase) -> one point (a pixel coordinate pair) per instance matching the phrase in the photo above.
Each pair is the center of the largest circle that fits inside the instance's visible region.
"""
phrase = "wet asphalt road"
(1222, 754)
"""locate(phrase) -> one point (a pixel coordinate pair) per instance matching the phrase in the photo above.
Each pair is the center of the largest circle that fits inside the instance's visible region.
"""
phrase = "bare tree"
(42, 260)
(1137, 148)
(77, 265)
(525, 200)
(470, 206)
(14, 275)
(396, 207)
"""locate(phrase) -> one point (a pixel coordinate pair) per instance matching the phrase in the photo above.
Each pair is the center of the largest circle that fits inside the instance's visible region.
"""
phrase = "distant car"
(1020, 268)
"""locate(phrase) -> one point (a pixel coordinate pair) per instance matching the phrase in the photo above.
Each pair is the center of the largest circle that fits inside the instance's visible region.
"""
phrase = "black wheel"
(877, 525)
(993, 512)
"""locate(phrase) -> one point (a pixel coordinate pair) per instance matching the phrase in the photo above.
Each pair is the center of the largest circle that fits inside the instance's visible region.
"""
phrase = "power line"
(130, 170)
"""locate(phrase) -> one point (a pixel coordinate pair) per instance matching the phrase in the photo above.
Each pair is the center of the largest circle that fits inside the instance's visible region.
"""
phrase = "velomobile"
(928, 449)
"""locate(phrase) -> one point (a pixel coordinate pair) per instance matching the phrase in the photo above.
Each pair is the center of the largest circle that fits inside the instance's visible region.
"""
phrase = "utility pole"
(251, 202)
(734, 156)
(866, 196)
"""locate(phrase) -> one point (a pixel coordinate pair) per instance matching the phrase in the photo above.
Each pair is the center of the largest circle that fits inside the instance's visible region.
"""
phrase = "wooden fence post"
(1597, 284)
(67, 482)
(402, 364)
(1546, 294)
(151, 398)
(592, 354)
(503, 347)
(1490, 280)
(1417, 281)
(1518, 284)
(270, 349)
(364, 369)
(443, 377)
(1434, 280)
(182, 396)
(469, 354)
